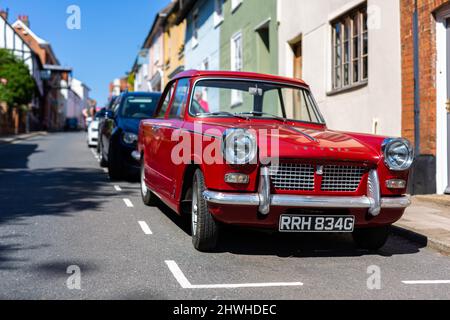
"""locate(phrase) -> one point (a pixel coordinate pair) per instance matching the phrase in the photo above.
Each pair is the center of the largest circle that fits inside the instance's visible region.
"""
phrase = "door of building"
(447, 191)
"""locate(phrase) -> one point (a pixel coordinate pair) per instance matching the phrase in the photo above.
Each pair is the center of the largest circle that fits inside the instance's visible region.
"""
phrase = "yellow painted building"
(174, 36)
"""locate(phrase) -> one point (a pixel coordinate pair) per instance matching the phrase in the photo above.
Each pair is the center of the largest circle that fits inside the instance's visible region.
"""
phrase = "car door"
(169, 167)
(109, 126)
(154, 151)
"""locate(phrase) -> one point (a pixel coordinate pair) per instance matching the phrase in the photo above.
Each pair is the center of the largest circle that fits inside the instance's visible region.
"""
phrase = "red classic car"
(253, 150)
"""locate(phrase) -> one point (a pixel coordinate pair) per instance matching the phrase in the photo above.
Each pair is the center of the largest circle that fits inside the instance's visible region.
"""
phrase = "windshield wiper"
(220, 113)
(259, 113)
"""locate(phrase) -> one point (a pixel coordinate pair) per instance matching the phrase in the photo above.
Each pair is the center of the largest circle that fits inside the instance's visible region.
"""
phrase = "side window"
(165, 104)
(115, 107)
(180, 100)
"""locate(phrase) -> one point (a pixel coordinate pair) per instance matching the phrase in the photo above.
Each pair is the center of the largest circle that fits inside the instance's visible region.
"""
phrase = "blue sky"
(112, 32)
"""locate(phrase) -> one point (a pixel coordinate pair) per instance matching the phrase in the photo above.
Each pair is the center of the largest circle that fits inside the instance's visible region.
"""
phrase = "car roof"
(240, 74)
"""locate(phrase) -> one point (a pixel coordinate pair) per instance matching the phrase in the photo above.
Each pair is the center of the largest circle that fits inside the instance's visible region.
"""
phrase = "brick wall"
(427, 56)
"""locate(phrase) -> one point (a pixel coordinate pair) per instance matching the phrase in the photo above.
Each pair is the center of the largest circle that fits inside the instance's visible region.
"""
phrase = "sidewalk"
(428, 221)
(20, 137)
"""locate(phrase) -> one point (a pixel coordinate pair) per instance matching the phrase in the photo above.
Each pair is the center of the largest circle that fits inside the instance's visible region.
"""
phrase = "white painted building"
(359, 91)
(11, 40)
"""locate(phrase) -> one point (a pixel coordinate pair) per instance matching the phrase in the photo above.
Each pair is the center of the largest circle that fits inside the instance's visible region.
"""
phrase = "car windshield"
(139, 107)
(254, 99)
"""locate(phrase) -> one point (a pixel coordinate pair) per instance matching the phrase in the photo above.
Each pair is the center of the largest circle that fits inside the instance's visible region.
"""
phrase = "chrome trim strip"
(374, 193)
(264, 191)
(254, 199)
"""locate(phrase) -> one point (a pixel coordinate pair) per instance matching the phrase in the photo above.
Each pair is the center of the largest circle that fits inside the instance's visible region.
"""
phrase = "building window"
(218, 12)
(235, 4)
(195, 29)
(350, 49)
(236, 65)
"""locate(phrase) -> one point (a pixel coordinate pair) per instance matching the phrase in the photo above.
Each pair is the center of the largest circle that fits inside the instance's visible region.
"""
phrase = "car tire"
(148, 197)
(371, 239)
(115, 168)
(205, 230)
(103, 162)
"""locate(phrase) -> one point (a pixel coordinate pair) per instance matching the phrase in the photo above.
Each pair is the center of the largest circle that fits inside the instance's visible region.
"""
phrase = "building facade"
(174, 39)
(425, 40)
(348, 51)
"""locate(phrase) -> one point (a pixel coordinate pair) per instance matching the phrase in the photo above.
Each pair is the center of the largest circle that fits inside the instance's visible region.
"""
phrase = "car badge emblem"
(319, 170)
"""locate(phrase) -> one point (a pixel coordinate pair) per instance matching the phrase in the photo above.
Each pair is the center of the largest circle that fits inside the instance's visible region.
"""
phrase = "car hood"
(308, 142)
(130, 125)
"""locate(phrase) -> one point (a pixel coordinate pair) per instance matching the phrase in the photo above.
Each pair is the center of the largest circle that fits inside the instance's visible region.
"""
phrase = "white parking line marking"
(145, 228)
(118, 188)
(128, 203)
(427, 282)
(94, 153)
(185, 284)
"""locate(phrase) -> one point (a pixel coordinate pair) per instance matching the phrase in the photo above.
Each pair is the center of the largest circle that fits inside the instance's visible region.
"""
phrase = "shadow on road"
(16, 156)
(46, 192)
(243, 241)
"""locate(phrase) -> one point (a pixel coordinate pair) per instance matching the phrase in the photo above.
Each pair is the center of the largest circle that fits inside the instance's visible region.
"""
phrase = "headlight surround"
(129, 138)
(239, 146)
(398, 154)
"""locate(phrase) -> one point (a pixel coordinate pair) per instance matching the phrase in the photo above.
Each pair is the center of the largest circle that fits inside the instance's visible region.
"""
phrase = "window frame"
(170, 86)
(218, 17)
(195, 28)
(235, 4)
(352, 27)
(179, 115)
(236, 97)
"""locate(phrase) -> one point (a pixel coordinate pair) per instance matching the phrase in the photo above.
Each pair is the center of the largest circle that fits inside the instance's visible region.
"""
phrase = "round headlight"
(398, 154)
(129, 138)
(239, 146)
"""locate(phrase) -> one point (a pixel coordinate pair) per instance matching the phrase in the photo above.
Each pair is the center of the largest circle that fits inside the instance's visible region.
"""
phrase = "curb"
(23, 137)
(422, 240)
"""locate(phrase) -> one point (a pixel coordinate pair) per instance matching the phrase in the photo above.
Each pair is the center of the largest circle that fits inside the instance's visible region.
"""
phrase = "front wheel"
(205, 230)
(371, 238)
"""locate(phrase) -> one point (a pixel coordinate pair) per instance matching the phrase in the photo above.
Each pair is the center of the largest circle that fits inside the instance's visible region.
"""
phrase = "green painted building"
(248, 39)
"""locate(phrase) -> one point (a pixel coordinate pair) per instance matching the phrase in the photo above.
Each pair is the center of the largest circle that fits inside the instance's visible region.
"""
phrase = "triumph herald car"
(253, 150)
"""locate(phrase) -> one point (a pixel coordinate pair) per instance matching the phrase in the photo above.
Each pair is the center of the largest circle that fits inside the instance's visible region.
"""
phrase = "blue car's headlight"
(129, 138)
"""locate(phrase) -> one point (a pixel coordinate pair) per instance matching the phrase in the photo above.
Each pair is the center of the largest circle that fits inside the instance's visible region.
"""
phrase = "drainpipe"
(416, 80)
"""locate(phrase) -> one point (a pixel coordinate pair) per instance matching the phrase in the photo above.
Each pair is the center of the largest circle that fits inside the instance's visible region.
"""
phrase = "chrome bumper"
(264, 200)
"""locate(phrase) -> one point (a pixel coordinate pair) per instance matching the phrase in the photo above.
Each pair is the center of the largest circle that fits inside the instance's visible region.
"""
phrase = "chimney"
(4, 14)
(25, 20)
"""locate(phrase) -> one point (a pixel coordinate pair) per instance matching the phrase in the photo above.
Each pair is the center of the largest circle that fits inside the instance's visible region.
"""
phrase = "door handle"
(447, 105)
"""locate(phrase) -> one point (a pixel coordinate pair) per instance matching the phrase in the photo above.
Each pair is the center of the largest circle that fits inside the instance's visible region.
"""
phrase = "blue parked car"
(119, 132)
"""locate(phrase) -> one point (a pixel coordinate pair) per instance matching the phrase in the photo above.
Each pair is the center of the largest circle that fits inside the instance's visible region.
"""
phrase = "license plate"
(301, 223)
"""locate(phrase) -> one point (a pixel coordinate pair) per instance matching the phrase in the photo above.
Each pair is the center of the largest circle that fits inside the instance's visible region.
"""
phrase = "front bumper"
(264, 200)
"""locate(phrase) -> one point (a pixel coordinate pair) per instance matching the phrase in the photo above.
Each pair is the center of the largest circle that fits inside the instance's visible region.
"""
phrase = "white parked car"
(92, 132)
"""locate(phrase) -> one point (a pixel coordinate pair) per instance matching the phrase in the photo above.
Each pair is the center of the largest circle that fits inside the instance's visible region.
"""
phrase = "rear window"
(139, 107)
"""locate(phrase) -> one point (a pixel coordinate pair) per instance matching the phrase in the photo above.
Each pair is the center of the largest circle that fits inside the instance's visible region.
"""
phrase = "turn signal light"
(237, 178)
(396, 184)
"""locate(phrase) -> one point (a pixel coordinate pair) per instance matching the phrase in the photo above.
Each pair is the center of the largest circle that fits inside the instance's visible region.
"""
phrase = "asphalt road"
(59, 209)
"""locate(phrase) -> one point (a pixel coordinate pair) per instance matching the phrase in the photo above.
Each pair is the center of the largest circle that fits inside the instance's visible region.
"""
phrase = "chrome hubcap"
(143, 186)
(194, 210)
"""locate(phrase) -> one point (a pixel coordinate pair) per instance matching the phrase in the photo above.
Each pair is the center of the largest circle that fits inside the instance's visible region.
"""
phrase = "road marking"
(128, 203)
(95, 154)
(185, 284)
(145, 227)
(118, 188)
(427, 282)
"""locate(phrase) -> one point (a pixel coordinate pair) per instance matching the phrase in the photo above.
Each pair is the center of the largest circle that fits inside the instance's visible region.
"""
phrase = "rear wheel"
(371, 238)
(148, 197)
(205, 230)
(103, 162)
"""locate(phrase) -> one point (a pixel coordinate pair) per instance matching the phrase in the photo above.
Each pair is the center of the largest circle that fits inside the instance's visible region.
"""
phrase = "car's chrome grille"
(292, 176)
(301, 177)
(341, 178)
